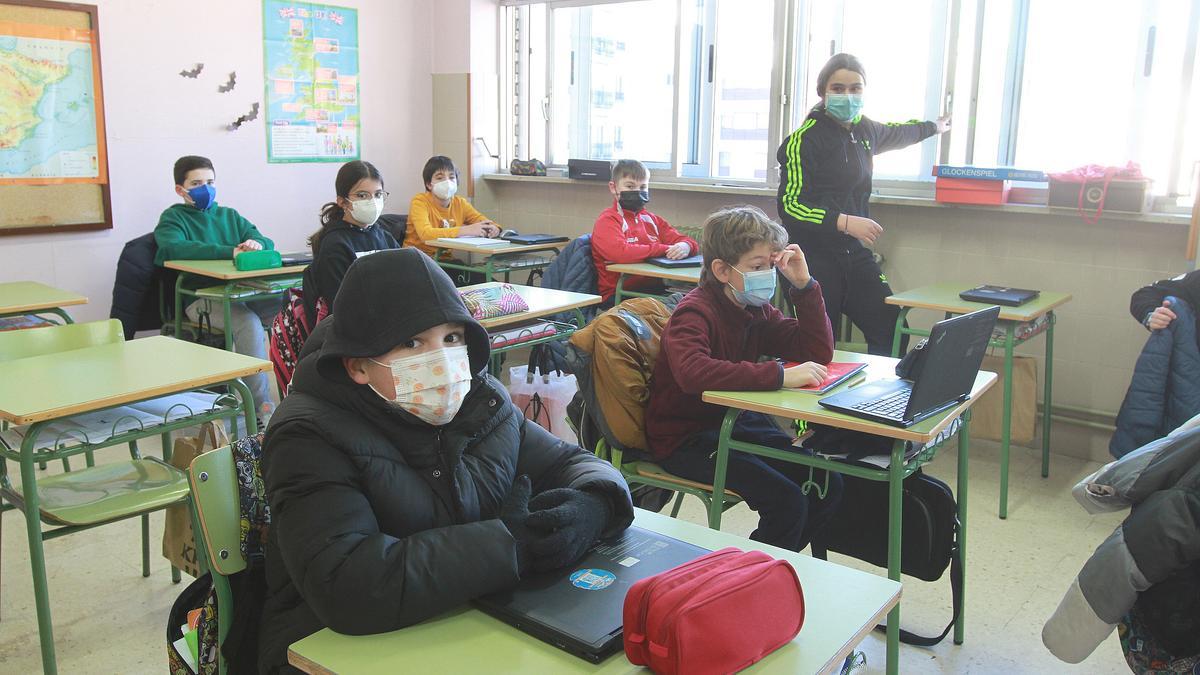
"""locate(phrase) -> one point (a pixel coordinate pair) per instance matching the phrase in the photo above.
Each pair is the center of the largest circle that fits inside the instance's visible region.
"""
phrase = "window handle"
(546, 108)
(712, 55)
(1149, 67)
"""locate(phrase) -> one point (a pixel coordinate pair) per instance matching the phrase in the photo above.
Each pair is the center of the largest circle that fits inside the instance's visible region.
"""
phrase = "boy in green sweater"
(201, 229)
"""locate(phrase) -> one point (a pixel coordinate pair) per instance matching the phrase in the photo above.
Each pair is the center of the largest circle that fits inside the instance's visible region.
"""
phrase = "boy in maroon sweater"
(713, 341)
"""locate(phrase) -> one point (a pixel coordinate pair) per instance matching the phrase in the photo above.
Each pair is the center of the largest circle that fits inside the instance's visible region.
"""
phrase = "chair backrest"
(19, 344)
(397, 224)
(213, 479)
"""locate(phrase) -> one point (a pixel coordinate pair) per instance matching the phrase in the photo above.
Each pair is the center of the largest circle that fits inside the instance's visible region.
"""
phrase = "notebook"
(838, 373)
(690, 261)
(999, 295)
(474, 241)
(954, 352)
(579, 608)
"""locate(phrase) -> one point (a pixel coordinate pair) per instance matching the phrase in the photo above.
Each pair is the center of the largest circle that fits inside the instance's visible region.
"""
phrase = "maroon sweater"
(712, 344)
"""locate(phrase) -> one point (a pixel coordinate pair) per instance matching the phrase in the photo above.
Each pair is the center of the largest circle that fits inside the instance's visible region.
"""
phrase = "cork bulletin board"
(53, 155)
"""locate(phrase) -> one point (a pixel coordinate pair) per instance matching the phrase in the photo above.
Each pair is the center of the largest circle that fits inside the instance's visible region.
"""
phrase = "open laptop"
(690, 261)
(579, 608)
(999, 295)
(955, 352)
(297, 258)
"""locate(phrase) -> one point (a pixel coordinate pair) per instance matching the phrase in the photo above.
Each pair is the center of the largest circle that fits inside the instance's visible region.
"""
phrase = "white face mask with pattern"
(430, 385)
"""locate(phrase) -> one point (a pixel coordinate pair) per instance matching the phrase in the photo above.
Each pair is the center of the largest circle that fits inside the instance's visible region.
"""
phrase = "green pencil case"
(257, 260)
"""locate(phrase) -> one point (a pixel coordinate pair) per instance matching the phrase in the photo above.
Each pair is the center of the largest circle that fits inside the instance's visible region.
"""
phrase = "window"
(709, 89)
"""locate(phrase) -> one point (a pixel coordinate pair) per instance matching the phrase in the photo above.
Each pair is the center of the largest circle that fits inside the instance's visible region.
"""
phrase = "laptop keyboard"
(892, 406)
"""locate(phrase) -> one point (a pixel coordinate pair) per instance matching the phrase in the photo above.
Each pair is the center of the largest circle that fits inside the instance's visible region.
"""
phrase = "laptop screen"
(955, 352)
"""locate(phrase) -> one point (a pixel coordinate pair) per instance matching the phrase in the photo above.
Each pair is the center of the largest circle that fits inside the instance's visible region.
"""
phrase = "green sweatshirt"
(187, 233)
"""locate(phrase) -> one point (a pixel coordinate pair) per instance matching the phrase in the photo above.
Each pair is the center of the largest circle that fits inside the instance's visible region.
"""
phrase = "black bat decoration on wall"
(193, 73)
(228, 86)
(252, 115)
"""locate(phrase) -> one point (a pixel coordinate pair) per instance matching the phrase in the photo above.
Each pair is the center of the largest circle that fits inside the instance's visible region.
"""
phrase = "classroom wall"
(1096, 340)
(154, 116)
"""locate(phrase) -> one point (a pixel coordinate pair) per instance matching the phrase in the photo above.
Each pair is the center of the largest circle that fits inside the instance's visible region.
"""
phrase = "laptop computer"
(690, 261)
(297, 258)
(999, 295)
(533, 238)
(579, 609)
(955, 352)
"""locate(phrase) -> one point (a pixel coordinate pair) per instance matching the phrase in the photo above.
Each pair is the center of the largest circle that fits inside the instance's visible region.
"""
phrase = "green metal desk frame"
(226, 299)
(488, 268)
(27, 460)
(893, 476)
(1008, 344)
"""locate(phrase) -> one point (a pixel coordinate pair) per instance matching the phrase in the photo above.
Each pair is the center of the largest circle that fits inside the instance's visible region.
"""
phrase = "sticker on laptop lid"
(592, 579)
(629, 562)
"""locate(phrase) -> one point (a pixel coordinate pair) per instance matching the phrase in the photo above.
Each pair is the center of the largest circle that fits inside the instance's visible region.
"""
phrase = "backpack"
(612, 359)
(289, 332)
(929, 525)
(248, 587)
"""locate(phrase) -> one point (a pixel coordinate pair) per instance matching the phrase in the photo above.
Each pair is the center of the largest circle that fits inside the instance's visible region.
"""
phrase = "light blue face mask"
(759, 287)
(843, 107)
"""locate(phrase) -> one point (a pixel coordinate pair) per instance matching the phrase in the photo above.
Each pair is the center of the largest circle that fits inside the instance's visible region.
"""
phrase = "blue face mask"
(203, 196)
(843, 107)
(759, 287)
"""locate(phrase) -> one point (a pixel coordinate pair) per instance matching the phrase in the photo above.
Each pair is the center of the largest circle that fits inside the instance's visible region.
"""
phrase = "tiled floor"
(108, 619)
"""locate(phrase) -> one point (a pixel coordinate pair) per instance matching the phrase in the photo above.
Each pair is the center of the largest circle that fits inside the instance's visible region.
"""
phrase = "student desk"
(842, 606)
(39, 389)
(803, 406)
(18, 298)
(229, 291)
(542, 302)
(493, 256)
(689, 275)
(944, 298)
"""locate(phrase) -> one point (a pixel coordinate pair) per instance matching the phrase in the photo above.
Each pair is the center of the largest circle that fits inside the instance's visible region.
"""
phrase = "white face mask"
(431, 385)
(366, 211)
(445, 189)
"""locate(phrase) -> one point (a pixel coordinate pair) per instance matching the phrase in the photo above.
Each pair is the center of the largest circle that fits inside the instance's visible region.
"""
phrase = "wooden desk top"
(30, 296)
(66, 383)
(802, 405)
(842, 605)
(498, 249)
(943, 297)
(225, 271)
(688, 274)
(541, 301)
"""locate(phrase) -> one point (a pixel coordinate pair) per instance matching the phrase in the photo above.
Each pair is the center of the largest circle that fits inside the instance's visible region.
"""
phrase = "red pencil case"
(719, 613)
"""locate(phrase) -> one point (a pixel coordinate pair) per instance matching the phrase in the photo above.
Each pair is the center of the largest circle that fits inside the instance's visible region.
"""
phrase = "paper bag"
(179, 543)
(988, 411)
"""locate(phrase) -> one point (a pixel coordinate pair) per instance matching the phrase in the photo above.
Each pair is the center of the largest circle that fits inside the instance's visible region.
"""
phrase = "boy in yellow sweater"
(438, 213)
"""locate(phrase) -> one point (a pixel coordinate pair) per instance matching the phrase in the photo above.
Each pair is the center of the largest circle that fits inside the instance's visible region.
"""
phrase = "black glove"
(514, 513)
(566, 522)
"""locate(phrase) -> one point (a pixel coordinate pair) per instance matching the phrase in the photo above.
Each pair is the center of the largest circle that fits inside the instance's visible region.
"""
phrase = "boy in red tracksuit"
(713, 341)
(627, 233)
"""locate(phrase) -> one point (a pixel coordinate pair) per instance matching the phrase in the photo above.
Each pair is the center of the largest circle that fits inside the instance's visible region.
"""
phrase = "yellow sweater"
(428, 220)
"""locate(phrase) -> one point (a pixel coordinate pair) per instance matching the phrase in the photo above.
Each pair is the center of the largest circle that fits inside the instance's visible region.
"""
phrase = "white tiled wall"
(1100, 265)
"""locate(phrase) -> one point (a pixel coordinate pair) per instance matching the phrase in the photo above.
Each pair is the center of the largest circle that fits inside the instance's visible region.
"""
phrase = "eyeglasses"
(363, 194)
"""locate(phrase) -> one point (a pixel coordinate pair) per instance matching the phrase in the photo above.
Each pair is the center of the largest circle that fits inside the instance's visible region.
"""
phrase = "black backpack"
(929, 542)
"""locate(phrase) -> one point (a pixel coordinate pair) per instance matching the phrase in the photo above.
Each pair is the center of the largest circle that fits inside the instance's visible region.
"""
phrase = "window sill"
(888, 200)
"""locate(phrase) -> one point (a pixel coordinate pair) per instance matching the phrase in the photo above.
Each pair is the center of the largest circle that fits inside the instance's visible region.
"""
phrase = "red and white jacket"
(621, 236)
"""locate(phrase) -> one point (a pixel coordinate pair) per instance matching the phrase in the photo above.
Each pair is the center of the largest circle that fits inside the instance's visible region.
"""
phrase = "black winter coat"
(379, 522)
(339, 246)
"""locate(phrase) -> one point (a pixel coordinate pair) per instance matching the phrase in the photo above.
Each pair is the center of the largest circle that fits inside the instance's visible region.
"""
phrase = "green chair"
(95, 495)
(217, 521)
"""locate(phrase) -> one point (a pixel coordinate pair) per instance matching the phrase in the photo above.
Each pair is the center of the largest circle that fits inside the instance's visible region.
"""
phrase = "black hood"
(385, 299)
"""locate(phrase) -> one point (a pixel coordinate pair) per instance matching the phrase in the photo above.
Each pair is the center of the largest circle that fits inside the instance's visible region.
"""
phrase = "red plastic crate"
(970, 191)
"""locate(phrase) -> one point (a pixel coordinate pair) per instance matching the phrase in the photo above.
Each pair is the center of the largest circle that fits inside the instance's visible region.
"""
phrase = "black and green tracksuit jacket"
(825, 171)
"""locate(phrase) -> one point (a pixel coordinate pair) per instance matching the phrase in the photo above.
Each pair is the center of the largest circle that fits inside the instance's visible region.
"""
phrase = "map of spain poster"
(51, 119)
(310, 55)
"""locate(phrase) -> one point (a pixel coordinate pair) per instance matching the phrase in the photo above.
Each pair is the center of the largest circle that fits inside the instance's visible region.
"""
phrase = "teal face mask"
(843, 107)
(759, 287)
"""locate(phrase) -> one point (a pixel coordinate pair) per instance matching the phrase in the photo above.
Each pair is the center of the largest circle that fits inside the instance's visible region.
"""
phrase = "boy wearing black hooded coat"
(391, 502)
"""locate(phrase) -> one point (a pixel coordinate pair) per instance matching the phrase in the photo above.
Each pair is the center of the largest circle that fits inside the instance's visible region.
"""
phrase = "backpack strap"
(956, 600)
